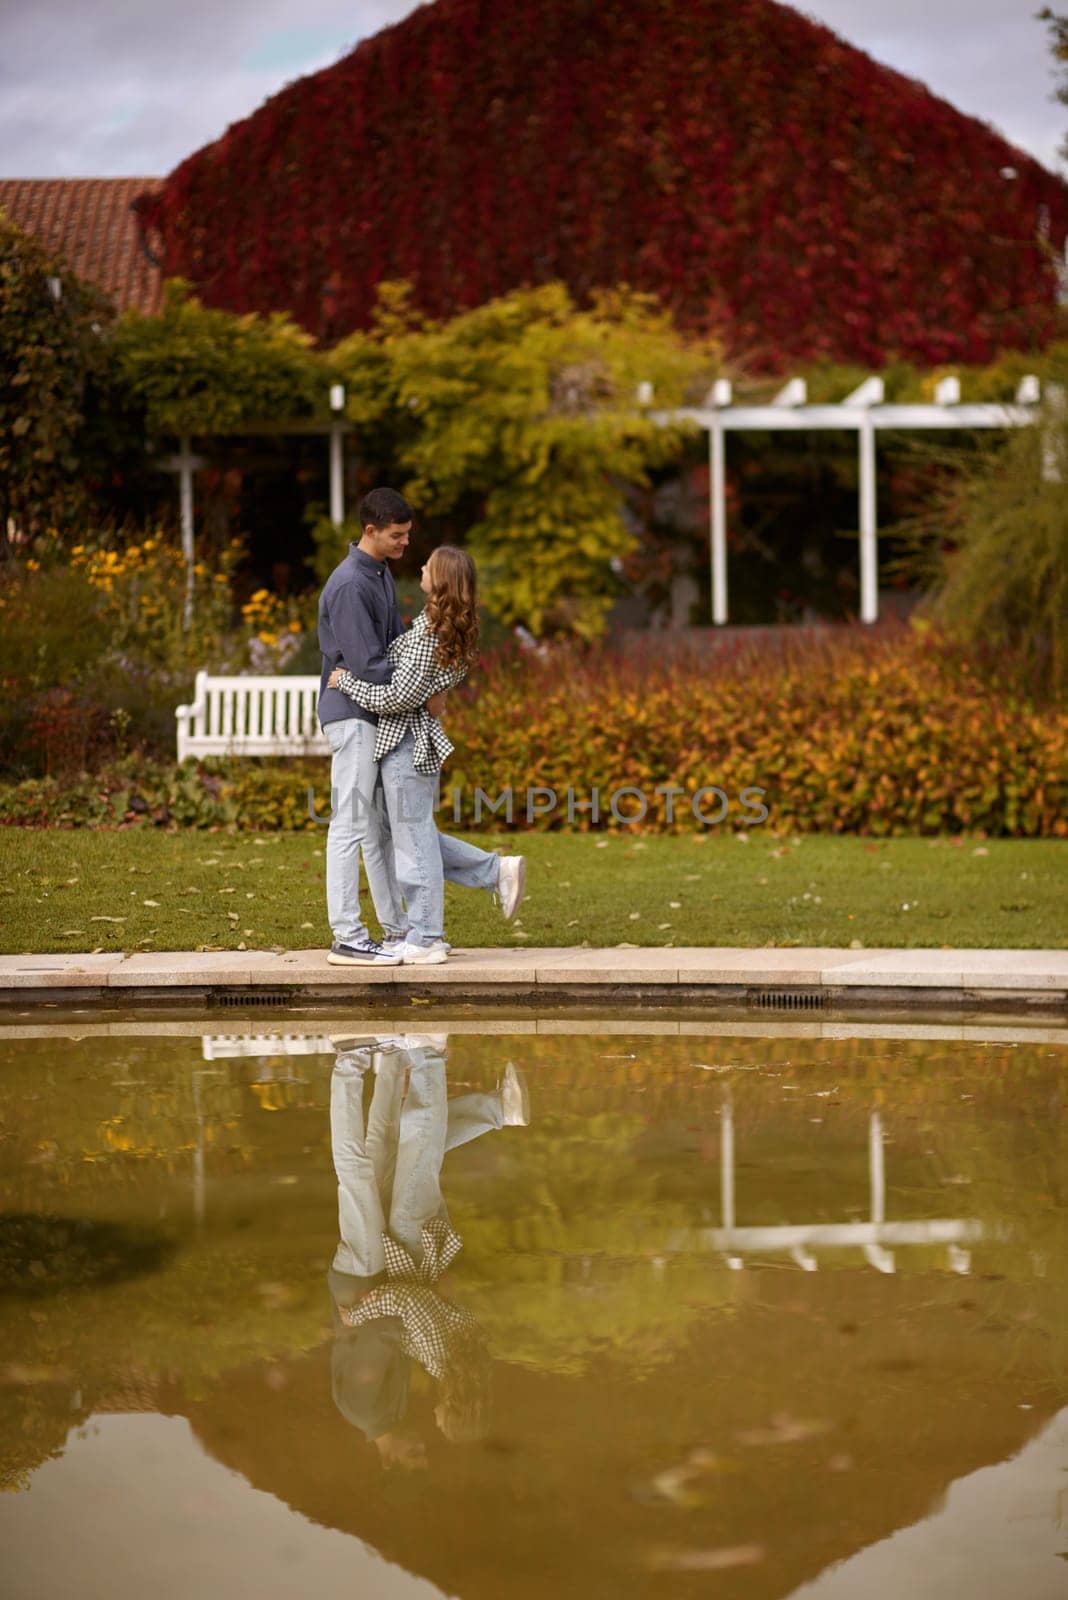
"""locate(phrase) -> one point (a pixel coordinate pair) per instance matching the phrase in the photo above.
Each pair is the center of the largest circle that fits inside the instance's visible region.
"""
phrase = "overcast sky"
(107, 88)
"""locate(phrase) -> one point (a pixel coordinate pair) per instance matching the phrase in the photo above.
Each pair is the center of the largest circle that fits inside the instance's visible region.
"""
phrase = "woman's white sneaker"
(424, 955)
(511, 884)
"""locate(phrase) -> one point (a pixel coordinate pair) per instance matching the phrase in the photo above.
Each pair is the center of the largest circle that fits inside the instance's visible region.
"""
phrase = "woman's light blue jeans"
(423, 857)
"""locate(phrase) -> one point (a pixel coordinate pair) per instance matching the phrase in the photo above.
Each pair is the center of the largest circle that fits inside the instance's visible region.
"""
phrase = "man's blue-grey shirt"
(358, 621)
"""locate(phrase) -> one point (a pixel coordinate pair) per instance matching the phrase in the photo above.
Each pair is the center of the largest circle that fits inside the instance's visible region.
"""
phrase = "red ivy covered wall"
(733, 157)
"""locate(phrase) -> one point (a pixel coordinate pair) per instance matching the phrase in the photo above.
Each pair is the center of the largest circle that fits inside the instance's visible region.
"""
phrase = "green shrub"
(52, 352)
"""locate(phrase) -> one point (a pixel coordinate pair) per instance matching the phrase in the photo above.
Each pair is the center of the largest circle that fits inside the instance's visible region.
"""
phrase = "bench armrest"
(185, 715)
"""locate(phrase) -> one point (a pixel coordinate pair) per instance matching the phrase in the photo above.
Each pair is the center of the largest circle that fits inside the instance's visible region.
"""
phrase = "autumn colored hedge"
(889, 734)
(731, 156)
(892, 735)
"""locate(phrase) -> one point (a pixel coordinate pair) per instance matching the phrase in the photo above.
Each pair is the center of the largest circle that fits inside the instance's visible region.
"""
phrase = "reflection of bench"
(251, 717)
(220, 1046)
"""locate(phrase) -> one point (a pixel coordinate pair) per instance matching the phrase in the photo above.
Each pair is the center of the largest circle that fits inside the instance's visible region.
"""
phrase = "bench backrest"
(251, 716)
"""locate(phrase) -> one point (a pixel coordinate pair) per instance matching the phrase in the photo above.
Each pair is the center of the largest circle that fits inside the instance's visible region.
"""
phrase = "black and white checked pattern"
(401, 704)
(429, 1321)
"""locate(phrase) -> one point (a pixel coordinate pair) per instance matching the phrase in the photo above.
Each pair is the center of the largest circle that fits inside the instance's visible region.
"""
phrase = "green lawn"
(94, 889)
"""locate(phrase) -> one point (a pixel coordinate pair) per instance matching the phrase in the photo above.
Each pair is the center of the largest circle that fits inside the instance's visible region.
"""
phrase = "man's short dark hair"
(383, 507)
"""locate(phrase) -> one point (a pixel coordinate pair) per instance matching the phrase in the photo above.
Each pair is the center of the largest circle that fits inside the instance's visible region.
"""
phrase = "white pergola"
(865, 413)
(184, 464)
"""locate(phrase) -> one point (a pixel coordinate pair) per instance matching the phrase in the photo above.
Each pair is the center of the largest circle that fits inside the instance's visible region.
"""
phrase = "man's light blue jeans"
(423, 857)
(389, 1174)
(358, 822)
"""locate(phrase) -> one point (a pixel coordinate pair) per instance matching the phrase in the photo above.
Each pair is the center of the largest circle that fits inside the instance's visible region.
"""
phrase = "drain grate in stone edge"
(787, 999)
(251, 997)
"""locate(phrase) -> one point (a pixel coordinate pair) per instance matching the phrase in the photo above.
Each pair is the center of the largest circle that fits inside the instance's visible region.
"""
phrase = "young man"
(358, 619)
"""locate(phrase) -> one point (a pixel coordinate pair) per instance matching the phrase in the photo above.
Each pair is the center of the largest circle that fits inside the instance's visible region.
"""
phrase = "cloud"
(989, 58)
(124, 87)
(105, 88)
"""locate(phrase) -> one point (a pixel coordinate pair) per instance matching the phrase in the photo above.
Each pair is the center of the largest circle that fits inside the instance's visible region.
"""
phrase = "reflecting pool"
(494, 1314)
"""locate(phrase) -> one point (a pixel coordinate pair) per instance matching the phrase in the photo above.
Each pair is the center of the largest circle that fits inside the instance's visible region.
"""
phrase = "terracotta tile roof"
(89, 221)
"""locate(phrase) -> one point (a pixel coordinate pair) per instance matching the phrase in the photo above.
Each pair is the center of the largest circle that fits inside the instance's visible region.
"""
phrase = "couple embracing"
(381, 696)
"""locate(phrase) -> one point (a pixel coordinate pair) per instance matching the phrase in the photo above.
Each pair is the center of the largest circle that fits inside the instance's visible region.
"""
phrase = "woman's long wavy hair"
(452, 605)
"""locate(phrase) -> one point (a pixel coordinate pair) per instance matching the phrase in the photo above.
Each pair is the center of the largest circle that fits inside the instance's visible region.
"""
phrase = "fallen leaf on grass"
(72, 933)
(107, 919)
(233, 916)
(153, 903)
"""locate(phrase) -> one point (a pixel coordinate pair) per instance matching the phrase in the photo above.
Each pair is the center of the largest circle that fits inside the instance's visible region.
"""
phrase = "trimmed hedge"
(891, 734)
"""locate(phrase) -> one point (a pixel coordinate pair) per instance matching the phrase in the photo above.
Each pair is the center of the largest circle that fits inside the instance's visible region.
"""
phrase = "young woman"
(411, 747)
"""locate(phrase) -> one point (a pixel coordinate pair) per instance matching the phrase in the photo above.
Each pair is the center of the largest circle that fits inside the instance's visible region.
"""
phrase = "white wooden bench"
(253, 716)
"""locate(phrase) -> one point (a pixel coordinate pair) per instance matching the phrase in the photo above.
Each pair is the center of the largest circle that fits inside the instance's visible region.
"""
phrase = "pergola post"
(877, 1169)
(185, 481)
(869, 552)
(185, 463)
(718, 487)
(337, 460)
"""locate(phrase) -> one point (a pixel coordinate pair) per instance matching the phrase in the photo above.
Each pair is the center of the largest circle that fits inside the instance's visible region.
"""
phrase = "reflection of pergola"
(800, 1240)
(863, 412)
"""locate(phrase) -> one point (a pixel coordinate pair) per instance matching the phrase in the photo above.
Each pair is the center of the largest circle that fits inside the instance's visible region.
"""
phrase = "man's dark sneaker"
(365, 954)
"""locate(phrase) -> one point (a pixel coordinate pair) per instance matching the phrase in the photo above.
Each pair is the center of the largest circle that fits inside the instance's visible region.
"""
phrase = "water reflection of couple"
(396, 1241)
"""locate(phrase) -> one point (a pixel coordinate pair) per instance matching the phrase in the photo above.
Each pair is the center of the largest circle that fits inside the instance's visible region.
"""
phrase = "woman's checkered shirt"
(401, 703)
(430, 1323)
